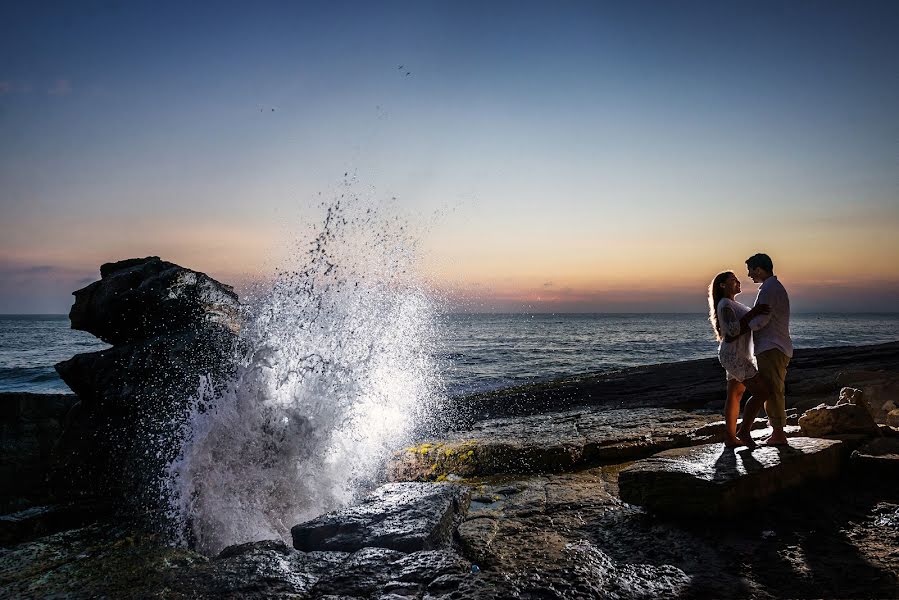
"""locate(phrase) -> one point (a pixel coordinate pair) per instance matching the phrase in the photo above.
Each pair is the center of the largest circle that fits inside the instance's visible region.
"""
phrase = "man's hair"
(760, 260)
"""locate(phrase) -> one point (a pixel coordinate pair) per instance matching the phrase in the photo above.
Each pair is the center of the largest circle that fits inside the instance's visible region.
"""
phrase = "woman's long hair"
(715, 296)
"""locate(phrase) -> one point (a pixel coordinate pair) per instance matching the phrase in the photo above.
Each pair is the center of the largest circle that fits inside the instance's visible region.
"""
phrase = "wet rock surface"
(712, 480)
(553, 443)
(554, 536)
(397, 516)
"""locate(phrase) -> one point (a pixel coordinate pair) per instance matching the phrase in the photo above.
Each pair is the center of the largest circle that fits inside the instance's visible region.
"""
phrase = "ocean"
(481, 352)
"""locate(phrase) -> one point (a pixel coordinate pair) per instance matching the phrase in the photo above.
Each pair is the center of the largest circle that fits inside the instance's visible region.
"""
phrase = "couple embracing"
(755, 349)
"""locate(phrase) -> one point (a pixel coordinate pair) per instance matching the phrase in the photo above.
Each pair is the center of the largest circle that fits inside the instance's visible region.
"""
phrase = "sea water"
(480, 352)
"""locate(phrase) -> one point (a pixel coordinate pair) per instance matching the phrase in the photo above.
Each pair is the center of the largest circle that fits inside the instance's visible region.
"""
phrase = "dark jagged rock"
(556, 536)
(140, 298)
(171, 328)
(30, 425)
(713, 480)
(399, 516)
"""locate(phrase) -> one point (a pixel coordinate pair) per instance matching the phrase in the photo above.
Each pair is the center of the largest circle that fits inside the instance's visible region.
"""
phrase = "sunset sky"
(552, 156)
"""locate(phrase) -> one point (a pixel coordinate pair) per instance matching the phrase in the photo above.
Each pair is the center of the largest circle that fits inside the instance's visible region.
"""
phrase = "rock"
(277, 546)
(879, 456)
(550, 443)
(713, 480)
(140, 298)
(173, 329)
(562, 533)
(554, 536)
(364, 572)
(880, 387)
(265, 569)
(850, 395)
(843, 418)
(893, 418)
(30, 425)
(39, 521)
(399, 516)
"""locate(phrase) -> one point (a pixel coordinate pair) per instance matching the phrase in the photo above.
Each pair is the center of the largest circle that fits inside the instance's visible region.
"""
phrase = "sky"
(557, 157)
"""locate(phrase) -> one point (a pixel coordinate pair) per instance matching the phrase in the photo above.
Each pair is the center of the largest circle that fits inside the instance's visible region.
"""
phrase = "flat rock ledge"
(406, 517)
(555, 443)
(713, 480)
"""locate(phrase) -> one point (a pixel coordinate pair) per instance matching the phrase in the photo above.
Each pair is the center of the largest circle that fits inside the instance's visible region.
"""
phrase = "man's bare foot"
(776, 439)
(732, 441)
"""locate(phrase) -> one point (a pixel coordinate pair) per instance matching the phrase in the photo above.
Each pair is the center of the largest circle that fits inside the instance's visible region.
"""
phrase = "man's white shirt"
(772, 330)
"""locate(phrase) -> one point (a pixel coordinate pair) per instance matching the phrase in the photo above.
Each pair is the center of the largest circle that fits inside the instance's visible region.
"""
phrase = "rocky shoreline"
(611, 485)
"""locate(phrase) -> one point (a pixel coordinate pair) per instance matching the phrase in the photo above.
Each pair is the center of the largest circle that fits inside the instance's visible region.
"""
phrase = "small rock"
(893, 418)
(823, 420)
(400, 516)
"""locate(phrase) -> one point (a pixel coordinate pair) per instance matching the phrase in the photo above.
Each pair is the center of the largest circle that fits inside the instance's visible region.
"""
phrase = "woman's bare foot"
(746, 439)
(732, 441)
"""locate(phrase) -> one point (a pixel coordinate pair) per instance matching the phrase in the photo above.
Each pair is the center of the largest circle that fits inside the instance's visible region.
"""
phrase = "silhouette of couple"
(755, 349)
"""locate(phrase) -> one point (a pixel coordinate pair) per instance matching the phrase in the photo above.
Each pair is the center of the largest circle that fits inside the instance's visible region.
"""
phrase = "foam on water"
(336, 369)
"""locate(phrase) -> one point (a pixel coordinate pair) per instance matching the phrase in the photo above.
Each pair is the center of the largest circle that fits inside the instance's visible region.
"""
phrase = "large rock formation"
(170, 327)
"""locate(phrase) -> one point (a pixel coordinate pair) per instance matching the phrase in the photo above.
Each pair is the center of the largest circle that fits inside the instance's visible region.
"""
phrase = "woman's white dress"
(736, 357)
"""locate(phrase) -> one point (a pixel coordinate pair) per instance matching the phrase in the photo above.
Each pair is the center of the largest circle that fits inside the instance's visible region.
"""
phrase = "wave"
(337, 369)
(31, 379)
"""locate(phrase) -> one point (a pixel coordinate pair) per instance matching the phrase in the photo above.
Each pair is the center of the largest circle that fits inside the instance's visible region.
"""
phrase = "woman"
(730, 321)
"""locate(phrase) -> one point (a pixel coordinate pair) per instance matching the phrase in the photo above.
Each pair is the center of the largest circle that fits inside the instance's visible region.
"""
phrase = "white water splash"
(336, 370)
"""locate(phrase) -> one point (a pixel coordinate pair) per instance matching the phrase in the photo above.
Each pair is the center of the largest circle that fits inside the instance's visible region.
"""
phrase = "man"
(771, 338)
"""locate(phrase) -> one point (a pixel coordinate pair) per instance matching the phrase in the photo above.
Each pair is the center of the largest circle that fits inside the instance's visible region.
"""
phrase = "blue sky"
(584, 145)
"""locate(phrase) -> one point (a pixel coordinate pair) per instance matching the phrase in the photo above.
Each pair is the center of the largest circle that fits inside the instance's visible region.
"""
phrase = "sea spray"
(336, 369)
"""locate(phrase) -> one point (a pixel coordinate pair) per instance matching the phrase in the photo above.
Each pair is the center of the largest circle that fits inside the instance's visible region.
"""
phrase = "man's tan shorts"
(773, 368)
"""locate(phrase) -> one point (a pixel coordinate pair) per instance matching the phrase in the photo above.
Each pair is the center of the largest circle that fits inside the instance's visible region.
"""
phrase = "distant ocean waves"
(42, 380)
(29, 347)
(481, 352)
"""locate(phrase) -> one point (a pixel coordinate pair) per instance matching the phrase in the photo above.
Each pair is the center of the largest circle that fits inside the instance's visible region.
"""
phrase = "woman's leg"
(735, 391)
(760, 394)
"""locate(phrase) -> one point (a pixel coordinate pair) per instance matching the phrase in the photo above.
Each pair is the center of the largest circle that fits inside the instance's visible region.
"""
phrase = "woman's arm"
(728, 324)
(743, 323)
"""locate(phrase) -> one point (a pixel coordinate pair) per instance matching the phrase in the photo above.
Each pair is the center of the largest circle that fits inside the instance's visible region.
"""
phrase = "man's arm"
(761, 320)
(743, 323)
